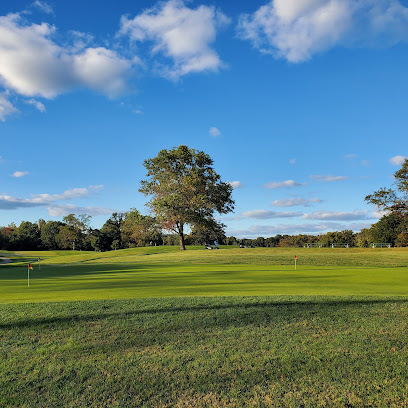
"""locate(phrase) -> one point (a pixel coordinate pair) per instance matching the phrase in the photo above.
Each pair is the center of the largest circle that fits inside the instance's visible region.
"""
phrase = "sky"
(302, 105)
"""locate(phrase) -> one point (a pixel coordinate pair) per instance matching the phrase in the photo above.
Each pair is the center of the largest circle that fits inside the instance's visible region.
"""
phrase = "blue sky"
(302, 104)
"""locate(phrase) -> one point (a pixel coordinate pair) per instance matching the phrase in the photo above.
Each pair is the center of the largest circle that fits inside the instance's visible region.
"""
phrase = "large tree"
(185, 190)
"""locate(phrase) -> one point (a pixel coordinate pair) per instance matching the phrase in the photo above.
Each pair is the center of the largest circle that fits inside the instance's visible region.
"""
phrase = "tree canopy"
(185, 190)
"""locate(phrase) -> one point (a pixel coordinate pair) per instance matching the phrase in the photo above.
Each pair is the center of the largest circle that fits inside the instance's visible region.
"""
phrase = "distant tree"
(259, 242)
(113, 230)
(77, 228)
(28, 236)
(387, 229)
(48, 234)
(363, 238)
(202, 234)
(139, 229)
(185, 190)
(67, 237)
(231, 241)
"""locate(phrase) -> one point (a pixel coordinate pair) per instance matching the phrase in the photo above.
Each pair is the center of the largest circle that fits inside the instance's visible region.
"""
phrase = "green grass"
(153, 327)
(205, 352)
(167, 272)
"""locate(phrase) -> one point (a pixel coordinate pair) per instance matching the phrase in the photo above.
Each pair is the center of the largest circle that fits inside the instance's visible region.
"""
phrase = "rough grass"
(206, 352)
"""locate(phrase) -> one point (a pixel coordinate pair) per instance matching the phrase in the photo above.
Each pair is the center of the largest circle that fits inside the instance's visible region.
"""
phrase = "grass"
(205, 352)
(153, 327)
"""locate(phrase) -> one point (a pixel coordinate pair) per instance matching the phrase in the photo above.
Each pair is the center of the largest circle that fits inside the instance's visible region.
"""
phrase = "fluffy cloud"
(19, 174)
(292, 202)
(43, 6)
(265, 215)
(37, 104)
(235, 184)
(37, 200)
(6, 107)
(283, 184)
(327, 178)
(214, 131)
(398, 160)
(32, 64)
(337, 215)
(298, 29)
(179, 33)
(65, 209)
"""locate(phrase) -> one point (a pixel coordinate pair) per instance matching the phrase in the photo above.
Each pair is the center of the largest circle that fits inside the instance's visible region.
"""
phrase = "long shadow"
(295, 305)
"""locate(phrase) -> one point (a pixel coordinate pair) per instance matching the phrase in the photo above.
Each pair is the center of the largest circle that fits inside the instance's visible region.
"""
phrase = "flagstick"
(28, 281)
(295, 263)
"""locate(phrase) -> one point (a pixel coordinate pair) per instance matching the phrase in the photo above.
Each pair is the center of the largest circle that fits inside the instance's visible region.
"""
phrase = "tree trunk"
(181, 236)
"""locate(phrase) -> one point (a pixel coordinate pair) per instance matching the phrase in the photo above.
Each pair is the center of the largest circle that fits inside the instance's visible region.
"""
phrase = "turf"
(205, 352)
(166, 272)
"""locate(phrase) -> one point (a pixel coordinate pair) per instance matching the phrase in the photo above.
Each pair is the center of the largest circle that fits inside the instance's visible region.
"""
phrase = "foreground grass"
(205, 352)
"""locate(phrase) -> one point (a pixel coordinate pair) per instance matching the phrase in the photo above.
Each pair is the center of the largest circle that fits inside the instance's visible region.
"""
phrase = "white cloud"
(32, 64)
(65, 209)
(6, 107)
(36, 200)
(43, 6)
(67, 194)
(298, 29)
(179, 33)
(265, 215)
(327, 178)
(37, 104)
(350, 156)
(292, 202)
(398, 160)
(283, 184)
(214, 131)
(271, 230)
(19, 174)
(235, 184)
(292, 161)
(337, 215)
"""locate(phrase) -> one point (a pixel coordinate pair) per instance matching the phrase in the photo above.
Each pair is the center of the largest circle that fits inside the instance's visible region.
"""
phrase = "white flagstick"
(295, 261)
(28, 274)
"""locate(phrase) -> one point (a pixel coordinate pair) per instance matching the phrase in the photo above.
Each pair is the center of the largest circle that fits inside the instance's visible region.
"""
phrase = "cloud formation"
(37, 200)
(6, 107)
(43, 6)
(337, 215)
(37, 104)
(179, 33)
(272, 230)
(32, 64)
(283, 184)
(298, 29)
(214, 131)
(398, 160)
(292, 202)
(19, 174)
(266, 215)
(235, 184)
(65, 209)
(328, 178)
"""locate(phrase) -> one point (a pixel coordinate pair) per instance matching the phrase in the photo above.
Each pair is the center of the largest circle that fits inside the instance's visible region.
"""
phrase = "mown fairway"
(164, 271)
(85, 334)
